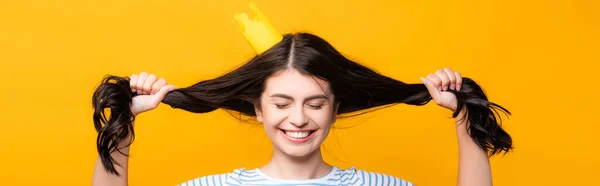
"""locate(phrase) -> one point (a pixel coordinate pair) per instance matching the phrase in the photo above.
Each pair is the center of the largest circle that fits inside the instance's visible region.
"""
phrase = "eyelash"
(316, 107)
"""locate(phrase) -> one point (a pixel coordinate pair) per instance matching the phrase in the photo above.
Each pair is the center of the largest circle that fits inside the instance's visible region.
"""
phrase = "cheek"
(323, 118)
(272, 116)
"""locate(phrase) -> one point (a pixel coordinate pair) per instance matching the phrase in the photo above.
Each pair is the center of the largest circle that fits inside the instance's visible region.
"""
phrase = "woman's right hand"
(150, 91)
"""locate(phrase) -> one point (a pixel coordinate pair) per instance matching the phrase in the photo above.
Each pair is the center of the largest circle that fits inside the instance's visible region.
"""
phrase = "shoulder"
(353, 176)
(231, 178)
(348, 177)
(236, 177)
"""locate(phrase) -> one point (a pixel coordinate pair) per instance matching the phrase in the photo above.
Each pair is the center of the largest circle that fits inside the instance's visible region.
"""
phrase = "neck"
(283, 166)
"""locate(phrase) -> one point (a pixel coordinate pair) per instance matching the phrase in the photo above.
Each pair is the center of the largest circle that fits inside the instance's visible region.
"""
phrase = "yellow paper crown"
(259, 32)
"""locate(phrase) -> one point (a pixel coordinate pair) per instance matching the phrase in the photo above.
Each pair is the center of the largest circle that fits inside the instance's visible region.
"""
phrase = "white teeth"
(297, 135)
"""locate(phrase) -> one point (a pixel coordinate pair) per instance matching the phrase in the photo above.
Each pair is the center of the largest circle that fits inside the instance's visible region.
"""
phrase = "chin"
(299, 147)
(297, 152)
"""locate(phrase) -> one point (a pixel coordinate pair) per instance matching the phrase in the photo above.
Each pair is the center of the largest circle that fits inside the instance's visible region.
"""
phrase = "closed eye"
(316, 107)
(281, 106)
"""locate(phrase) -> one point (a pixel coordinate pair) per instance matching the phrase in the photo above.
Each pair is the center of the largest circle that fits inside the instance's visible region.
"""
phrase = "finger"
(140, 82)
(162, 92)
(451, 77)
(432, 88)
(157, 85)
(148, 83)
(459, 80)
(132, 82)
(437, 82)
(444, 77)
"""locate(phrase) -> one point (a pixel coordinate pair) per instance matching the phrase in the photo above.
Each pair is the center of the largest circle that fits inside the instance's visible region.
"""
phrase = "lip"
(297, 141)
(305, 130)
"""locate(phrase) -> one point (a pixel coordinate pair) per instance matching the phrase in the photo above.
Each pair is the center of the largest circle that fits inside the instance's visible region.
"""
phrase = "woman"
(296, 89)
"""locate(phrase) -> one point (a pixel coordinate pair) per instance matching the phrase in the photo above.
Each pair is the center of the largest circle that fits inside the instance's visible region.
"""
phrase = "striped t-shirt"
(336, 176)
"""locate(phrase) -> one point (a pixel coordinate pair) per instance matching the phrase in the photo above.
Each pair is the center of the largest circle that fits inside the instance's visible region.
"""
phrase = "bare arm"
(101, 177)
(150, 92)
(473, 163)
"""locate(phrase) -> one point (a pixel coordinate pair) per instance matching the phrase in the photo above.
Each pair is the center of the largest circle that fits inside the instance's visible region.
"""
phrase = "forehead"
(294, 83)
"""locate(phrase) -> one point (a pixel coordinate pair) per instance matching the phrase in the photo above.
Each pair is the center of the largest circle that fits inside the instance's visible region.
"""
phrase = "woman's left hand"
(438, 85)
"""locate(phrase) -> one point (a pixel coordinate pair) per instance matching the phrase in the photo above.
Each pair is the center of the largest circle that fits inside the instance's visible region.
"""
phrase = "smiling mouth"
(298, 134)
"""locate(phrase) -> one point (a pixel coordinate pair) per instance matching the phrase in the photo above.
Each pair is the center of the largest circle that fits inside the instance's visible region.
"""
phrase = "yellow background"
(537, 58)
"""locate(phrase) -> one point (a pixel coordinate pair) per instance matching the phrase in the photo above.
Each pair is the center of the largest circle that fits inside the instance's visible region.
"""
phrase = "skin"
(311, 108)
(285, 106)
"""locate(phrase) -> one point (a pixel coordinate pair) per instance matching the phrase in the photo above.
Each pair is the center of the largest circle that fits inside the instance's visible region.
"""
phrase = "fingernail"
(452, 87)
(445, 88)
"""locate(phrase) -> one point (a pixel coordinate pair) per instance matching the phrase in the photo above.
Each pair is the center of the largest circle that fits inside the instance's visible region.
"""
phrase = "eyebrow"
(318, 96)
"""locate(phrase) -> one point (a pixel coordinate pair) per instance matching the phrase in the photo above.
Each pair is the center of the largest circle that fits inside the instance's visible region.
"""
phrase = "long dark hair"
(355, 87)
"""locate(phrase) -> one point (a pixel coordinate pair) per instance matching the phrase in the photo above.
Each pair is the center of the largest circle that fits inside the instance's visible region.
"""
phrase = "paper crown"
(258, 31)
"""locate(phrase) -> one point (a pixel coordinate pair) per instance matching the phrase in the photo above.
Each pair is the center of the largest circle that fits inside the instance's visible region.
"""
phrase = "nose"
(298, 117)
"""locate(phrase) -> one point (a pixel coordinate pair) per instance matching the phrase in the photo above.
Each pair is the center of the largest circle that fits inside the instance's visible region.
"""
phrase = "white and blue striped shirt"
(336, 176)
